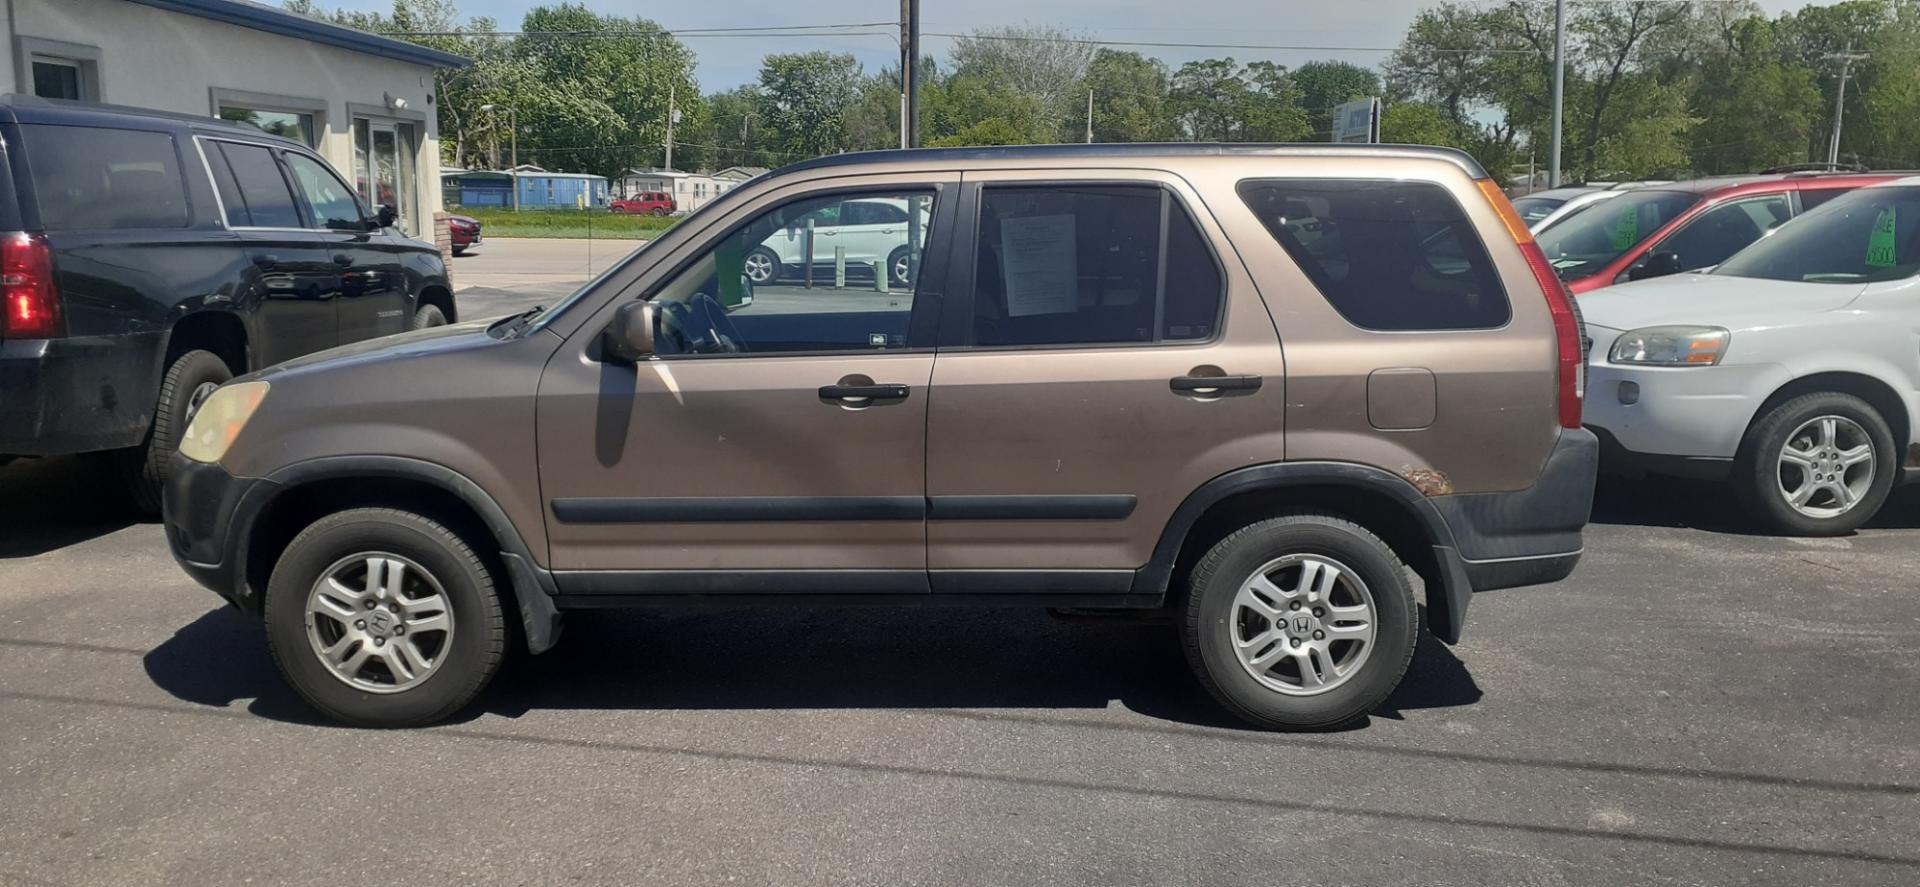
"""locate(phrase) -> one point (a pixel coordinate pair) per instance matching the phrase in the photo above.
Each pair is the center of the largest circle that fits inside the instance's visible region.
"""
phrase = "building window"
(57, 79)
(286, 124)
(385, 155)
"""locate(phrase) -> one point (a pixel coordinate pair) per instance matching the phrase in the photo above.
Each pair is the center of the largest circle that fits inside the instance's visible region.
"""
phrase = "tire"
(659, 211)
(896, 267)
(1764, 483)
(189, 379)
(768, 260)
(463, 659)
(1216, 622)
(459, 250)
(428, 316)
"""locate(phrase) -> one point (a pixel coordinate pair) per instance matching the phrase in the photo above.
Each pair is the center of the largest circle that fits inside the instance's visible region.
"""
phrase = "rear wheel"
(659, 211)
(762, 265)
(460, 250)
(384, 618)
(1820, 464)
(1302, 622)
(899, 267)
(190, 379)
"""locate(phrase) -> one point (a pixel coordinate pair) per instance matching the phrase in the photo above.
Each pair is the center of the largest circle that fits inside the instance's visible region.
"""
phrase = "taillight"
(32, 305)
(1569, 337)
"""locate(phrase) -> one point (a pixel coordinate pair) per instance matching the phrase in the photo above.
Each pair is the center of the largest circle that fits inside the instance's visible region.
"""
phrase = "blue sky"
(729, 61)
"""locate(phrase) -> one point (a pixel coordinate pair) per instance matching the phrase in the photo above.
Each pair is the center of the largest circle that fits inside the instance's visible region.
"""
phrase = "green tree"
(1047, 64)
(1325, 85)
(1129, 98)
(1418, 123)
(1219, 100)
(1756, 105)
(600, 105)
(803, 100)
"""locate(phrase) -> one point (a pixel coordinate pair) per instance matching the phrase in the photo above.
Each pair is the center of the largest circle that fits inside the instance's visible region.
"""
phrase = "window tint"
(88, 178)
(332, 202)
(268, 201)
(230, 198)
(1812, 197)
(1533, 209)
(1066, 265)
(749, 293)
(1872, 234)
(1590, 240)
(1387, 255)
(1717, 233)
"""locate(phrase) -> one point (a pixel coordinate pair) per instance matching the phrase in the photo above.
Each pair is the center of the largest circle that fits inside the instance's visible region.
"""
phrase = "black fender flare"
(1448, 587)
(533, 587)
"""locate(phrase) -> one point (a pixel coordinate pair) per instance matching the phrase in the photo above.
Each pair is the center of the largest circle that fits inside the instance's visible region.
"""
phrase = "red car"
(1684, 226)
(466, 233)
(645, 203)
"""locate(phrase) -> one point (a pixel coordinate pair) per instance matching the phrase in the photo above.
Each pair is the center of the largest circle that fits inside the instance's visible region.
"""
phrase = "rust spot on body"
(1428, 481)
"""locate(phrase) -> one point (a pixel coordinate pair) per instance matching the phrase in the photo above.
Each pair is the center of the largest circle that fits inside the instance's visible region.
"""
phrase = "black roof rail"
(1459, 158)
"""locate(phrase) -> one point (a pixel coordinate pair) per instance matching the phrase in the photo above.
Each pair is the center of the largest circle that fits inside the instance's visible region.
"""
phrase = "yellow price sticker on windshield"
(1626, 229)
(1880, 244)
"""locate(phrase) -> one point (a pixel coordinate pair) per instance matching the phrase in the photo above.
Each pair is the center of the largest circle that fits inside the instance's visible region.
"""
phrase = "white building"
(690, 190)
(365, 102)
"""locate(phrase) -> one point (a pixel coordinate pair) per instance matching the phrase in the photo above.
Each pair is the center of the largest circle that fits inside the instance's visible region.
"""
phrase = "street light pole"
(1559, 86)
(513, 138)
(1840, 97)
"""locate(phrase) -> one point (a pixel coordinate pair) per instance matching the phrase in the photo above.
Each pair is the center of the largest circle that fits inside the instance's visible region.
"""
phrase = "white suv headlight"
(1670, 346)
(220, 419)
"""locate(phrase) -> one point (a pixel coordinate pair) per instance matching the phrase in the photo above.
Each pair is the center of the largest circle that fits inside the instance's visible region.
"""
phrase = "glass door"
(384, 155)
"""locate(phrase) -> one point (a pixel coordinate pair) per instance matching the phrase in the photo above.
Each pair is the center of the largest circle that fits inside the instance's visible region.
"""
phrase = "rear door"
(1109, 361)
(293, 284)
(373, 299)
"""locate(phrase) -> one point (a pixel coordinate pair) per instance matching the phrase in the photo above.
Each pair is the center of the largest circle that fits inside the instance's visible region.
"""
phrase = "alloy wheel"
(759, 267)
(1303, 624)
(380, 622)
(1826, 466)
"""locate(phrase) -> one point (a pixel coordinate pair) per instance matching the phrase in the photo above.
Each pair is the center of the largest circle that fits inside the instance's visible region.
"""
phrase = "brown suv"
(1261, 387)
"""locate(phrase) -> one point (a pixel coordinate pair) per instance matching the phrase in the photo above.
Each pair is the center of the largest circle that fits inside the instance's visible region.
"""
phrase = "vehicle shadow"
(836, 658)
(1701, 505)
(49, 504)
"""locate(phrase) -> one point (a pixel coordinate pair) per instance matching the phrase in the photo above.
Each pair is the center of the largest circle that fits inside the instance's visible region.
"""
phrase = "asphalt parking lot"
(1694, 706)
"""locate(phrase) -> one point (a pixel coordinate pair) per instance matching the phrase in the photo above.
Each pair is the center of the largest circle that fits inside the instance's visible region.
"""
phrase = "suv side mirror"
(386, 216)
(1658, 264)
(629, 338)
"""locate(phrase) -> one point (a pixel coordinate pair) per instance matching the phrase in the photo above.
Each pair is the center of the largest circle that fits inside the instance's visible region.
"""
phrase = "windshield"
(1864, 236)
(1588, 241)
(1533, 209)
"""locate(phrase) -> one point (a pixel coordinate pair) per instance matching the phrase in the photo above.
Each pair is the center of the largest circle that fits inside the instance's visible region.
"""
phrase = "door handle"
(342, 259)
(1214, 384)
(267, 261)
(855, 395)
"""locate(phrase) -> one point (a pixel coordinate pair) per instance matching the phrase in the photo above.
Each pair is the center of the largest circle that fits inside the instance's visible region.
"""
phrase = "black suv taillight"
(32, 305)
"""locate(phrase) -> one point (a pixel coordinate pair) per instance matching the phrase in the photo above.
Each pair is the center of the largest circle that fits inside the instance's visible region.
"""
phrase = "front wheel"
(1301, 622)
(762, 265)
(1820, 464)
(384, 618)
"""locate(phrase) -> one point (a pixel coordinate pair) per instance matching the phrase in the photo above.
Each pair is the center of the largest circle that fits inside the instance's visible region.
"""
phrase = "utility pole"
(673, 116)
(1559, 86)
(1089, 116)
(910, 73)
(1846, 60)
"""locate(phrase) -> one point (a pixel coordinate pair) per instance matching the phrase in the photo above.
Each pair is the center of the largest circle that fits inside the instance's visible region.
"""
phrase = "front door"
(1109, 362)
(373, 299)
(384, 155)
(776, 446)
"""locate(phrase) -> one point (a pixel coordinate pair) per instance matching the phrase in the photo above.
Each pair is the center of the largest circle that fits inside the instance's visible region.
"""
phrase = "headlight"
(220, 419)
(1670, 346)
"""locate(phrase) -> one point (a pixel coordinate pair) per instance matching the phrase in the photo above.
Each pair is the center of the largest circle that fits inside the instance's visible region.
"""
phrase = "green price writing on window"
(1626, 230)
(1880, 247)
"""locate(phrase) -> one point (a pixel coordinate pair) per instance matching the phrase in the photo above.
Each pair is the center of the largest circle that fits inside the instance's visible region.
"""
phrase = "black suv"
(145, 258)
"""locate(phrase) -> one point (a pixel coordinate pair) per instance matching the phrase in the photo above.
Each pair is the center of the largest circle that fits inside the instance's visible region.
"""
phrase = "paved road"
(1694, 706)
(507, 275)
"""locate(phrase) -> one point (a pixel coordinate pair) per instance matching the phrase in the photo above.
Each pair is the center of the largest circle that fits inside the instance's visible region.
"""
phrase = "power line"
(1088, 41)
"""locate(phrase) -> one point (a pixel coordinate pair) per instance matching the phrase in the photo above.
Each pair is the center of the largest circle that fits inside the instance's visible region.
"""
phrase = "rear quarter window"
(1387, 255)
(89, 178)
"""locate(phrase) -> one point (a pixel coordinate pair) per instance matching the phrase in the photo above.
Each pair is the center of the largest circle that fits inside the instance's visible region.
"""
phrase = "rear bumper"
(207, 512)
(1530, 536)
(77, 395)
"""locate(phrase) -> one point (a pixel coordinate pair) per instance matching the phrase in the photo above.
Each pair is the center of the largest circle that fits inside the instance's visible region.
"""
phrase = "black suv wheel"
(1301, 622)
(383, 618)
(189, 381)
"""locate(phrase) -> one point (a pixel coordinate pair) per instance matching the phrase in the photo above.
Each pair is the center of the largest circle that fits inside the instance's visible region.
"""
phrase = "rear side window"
(89, 178)
(1093, 264)
(265, 199)
(1387, 255)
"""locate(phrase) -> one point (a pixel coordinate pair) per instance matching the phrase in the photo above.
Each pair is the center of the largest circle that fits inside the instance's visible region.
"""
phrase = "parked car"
(149, 258)
(644, 203)
(1788, 372)
(1683, 226)
(465, 231)
(865, 230)
(1543, 209)
(1109, 424)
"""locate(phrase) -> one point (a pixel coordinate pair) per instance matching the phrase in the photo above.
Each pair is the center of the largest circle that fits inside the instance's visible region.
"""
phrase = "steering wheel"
(699, 325)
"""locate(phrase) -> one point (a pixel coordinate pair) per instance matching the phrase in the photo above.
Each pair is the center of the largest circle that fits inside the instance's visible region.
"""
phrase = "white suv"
(1790, 371)
(866, 229)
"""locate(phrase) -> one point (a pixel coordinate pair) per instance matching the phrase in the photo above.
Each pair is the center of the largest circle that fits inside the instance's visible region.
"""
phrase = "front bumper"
(76, 395)
(207, 512)
(1696, 414)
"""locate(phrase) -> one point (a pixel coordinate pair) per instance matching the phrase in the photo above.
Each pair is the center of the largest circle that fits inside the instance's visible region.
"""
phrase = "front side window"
(1387, 255)
(89, 178)
(1590, 240)
(266, 201)
(286, 124)
(1864, 236)
(1533, 209)
(776, 286)
(1091, 264)
(1717, 233)
(332, 201)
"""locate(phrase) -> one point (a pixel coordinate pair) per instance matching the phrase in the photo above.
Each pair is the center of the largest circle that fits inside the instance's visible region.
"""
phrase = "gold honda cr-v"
(1259, 388)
